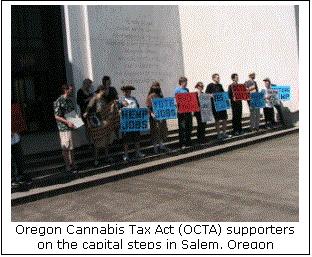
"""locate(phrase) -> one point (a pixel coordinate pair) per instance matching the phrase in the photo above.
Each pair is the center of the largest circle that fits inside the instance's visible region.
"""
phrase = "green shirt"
(63, 106)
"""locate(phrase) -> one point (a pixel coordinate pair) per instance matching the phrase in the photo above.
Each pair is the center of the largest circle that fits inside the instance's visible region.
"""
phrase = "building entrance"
(38, 63)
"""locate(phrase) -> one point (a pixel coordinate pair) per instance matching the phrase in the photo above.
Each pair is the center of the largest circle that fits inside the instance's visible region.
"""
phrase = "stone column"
(78, 43)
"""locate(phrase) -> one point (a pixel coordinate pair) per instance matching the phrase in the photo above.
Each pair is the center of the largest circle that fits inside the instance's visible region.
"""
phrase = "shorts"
(67, 140)
(221, 115)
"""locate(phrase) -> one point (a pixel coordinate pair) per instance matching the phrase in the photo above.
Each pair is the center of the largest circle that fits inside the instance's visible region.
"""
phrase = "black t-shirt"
(112, 95)
(81, 100)
(214, 88)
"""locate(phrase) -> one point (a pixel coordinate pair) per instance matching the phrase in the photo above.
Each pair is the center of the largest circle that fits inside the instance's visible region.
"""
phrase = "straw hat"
(128, 87)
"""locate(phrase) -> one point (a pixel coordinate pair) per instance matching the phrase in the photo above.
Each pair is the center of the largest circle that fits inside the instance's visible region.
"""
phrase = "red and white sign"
(187, 102)
(240, 92)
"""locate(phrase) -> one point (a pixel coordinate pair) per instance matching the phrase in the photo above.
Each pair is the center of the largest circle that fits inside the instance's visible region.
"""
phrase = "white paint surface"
(240, 39)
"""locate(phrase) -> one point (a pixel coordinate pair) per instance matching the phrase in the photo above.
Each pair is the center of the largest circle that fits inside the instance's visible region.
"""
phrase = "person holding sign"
(185, 120)
(129, 101)
(237, 108)
(101, 119)
(159, 129)
(201, 126)
(278, 107)
(254, 113)
(62, 106)
(268, 110)
(212, 88)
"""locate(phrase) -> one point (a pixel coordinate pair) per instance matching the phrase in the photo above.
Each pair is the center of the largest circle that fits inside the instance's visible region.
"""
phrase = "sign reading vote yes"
(221, 101)
(205, 107)
(164, 108)
(134, 119)
(187, 102)
(283, 91)
(257, 100)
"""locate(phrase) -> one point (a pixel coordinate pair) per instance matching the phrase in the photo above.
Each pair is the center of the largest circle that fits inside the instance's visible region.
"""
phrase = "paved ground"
(256, 183)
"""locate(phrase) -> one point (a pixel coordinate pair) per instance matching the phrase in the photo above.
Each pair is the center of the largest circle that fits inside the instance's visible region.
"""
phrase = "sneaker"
(14, 184)
(164, 148)
(69, 169)
(226, 135)
(139, 154)
(109, 160)
(125, 157)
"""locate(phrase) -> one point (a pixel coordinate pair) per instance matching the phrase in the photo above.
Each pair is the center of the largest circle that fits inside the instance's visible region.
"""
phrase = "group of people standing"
(105, 106)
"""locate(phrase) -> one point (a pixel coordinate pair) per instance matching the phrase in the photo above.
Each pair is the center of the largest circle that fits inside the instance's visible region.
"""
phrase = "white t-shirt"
(131, 102)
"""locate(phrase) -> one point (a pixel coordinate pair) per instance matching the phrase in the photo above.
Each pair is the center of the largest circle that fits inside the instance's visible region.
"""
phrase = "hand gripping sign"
(18, 123)
(187, 102)
(205, 107)
(257, 100)
(164, 108)
(240, 92)
(283, 91)
(221, 101)
(134, 119)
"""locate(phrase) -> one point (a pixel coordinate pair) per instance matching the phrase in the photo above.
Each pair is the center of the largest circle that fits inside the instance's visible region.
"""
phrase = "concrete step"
(50, 175)
(88, 177)
(51, 157)
(46, 165)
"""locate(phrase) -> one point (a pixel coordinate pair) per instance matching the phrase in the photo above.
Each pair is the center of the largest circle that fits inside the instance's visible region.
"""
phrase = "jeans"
(254, 118)
(185, 128)
(201, 126)
(237, 109)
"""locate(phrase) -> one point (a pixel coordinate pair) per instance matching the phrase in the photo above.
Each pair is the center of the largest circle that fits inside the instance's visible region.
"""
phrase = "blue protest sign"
(257, 100)
(283, 91)
(134, 119)
(164, 108)
(221, 101)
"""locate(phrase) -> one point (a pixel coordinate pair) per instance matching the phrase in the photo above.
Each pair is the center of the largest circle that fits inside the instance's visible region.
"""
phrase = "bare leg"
(224, 124)
(217, 126)
(126, 149)
(67, 160)
(137, 146)
(96, 154)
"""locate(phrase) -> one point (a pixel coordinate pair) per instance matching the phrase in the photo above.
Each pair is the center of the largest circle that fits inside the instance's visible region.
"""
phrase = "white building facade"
(138, 44)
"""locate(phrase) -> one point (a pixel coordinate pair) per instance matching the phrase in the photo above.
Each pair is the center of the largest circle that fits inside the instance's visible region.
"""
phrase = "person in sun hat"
(129, 101)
